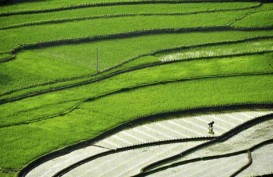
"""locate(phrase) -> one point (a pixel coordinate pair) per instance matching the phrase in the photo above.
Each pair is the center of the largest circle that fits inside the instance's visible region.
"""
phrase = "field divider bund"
(68, 149)
(246, 165)
(6, 59)
(240, 18)
(266, 175)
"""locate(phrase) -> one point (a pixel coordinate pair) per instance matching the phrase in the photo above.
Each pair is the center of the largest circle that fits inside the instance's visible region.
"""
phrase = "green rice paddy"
(153, 56)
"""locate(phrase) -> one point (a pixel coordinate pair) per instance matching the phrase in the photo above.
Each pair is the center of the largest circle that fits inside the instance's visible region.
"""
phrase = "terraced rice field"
(180, 128)
(127, 88)
(239, 144)
(223, 166)
(124, 153)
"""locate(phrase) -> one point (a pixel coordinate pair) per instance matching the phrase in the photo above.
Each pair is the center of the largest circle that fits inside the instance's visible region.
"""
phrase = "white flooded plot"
(242, 141)
(223, 167)
(130, 162)
(125, 163)
(179, 128)
(262, 162)
(53, 166)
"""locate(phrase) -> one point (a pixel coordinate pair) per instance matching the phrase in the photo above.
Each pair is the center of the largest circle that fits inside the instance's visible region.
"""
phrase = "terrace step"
(128, 163)
(155, 141)
(180, 128)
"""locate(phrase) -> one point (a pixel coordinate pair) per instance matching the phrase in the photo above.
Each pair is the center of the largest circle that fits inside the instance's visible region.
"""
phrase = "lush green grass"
(28, 35)
(122, 10)
(42, 113)
(42, 106)
(221, 50)
(29, 141)
(49, 4)
(158, 99)
(30, 68)
(77, 60)
(266, 6)
(7, 174)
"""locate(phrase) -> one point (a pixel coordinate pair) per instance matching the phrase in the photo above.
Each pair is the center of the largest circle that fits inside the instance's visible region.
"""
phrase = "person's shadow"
(211, 131)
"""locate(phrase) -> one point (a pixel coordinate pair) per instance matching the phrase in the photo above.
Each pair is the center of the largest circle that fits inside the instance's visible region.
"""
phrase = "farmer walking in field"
(211, 128)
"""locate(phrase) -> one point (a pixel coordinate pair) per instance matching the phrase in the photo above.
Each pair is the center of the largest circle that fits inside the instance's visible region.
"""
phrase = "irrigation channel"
(240, 144)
